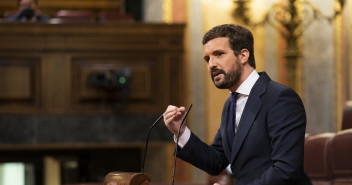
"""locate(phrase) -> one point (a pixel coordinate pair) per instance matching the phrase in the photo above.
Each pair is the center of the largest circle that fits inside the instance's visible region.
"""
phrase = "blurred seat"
(10, 13)
(317, 156)
(347, 116)
(114, 16)
(75, 16)
(341, 161)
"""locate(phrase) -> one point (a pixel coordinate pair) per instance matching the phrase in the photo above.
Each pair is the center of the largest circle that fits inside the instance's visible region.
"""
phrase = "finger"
(169, 119)
(181, 109)
(169, 111)
(171, 107)
(180, 112)
(169, 114)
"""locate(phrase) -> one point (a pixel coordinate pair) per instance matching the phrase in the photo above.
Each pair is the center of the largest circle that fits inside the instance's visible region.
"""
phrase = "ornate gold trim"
(167, 11)
(299, 81)
(349, 18)
(338, 72)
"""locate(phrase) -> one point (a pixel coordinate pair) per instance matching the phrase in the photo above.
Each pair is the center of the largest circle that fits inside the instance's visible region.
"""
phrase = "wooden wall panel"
(65, 55)
(56, 77)
(20, 82)
(143, 95)
(84, 70)
(22, 42)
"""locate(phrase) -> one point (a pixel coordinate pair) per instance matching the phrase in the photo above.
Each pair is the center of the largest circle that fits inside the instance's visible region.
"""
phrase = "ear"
(244, 55)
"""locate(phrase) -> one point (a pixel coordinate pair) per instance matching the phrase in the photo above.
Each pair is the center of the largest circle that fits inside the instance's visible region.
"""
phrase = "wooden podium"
(126, 178)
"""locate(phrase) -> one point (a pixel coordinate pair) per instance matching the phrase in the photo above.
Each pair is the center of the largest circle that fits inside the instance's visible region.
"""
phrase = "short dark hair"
(239, 38)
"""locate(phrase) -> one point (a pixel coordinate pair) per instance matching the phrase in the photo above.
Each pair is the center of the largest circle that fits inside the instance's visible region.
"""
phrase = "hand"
(173, 117)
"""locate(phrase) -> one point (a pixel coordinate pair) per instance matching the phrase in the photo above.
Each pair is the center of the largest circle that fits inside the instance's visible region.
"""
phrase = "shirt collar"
(246, 87)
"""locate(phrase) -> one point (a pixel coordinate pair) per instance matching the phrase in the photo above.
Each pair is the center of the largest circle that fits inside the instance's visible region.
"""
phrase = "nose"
(211, 63)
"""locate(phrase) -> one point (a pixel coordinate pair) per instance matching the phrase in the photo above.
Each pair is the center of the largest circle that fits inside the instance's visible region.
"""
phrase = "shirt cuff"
(183, 138)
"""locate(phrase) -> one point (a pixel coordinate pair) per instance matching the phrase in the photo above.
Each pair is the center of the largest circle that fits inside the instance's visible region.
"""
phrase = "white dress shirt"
(243, 92)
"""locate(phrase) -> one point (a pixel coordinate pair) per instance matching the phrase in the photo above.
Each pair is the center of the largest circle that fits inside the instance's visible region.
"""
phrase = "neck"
(246, 71)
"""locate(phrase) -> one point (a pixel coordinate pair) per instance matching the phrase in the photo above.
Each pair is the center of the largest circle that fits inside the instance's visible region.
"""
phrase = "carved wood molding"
(66, 54)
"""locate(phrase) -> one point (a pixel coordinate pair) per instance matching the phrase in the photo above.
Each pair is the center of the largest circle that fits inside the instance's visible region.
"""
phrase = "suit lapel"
(250, 111)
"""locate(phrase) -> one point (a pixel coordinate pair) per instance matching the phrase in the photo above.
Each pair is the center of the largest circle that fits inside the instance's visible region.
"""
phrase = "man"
(28, 11)
(262, 125)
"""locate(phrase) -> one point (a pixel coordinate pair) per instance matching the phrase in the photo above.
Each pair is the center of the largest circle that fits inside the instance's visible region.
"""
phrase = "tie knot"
(234, 96)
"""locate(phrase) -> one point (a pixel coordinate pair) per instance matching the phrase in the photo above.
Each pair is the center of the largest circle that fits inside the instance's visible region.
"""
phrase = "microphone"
(117, 177)
(177, 138)
(146, 143)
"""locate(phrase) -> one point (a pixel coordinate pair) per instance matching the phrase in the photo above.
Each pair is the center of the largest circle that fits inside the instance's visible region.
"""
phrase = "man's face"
(224, 67)
(25, 4)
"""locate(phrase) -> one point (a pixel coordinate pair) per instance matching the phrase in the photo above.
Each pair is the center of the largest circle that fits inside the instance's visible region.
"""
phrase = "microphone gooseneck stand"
(176, 147)
(146, 143)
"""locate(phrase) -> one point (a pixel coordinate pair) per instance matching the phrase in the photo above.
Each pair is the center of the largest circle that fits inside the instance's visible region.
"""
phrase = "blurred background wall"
(173, 64)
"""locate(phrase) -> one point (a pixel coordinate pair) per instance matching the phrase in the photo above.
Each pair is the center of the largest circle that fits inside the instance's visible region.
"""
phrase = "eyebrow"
(206, 58)
(218, 51)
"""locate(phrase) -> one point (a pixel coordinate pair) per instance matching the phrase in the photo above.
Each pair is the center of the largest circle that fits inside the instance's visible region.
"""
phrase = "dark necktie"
(232, 119)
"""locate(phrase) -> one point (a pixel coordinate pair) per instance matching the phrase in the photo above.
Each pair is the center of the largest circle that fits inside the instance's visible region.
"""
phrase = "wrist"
(183, 138)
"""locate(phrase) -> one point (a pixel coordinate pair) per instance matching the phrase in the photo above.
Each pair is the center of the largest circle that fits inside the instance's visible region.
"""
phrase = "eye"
(218, 53)
(206, 59)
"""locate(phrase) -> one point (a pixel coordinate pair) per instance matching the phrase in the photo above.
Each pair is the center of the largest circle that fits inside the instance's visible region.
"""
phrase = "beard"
(230, 78)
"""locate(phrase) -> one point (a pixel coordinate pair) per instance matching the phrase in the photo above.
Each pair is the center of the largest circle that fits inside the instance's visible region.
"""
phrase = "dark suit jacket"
(269, 143)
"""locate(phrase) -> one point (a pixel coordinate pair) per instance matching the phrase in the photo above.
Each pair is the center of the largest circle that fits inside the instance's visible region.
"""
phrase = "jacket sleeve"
(210, 159)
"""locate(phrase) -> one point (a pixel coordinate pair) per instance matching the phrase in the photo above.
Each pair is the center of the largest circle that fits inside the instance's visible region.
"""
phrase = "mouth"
(215, 74)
